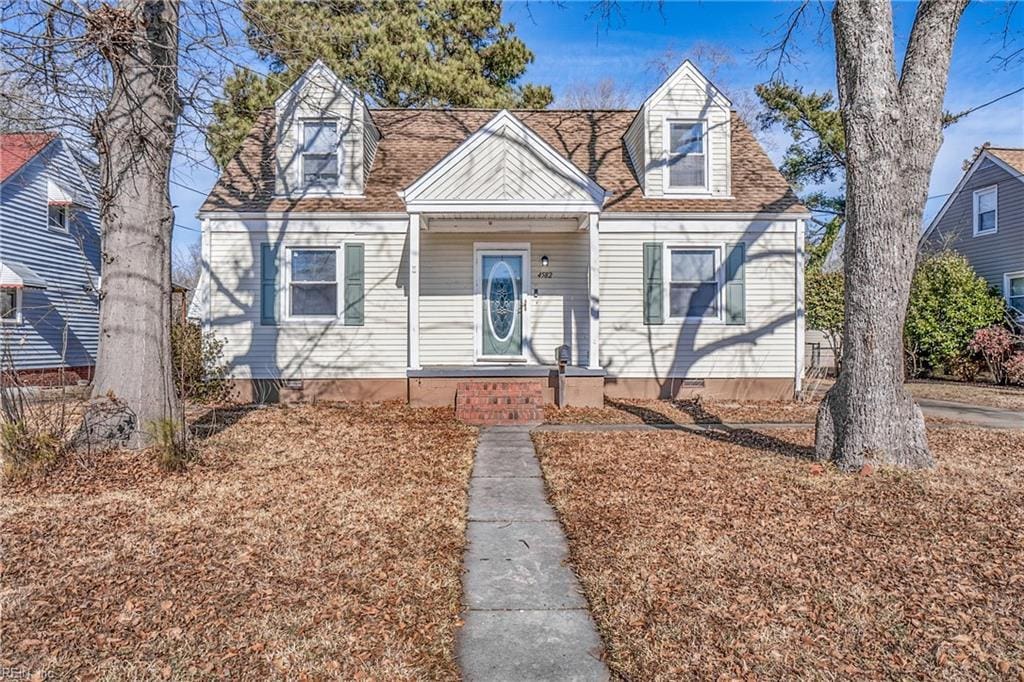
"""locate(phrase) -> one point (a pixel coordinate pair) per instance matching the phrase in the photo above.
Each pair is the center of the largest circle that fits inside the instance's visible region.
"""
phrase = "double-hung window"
(313, 283)
(693, 283)
(57, 217)
(1014, 291)
(320, 162)
(986, 212)
(687, 156)
(10, 308)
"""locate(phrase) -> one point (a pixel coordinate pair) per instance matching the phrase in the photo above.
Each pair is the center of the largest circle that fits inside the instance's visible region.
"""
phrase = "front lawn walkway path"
(525, 616)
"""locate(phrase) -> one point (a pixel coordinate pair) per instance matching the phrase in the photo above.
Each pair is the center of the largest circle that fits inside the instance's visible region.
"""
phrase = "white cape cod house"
(356, 253)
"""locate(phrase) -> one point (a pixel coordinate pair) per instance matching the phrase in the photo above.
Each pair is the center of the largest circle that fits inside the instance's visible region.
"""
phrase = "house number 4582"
(545, 275)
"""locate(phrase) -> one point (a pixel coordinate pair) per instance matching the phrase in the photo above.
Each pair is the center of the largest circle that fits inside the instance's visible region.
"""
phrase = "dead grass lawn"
(311, 542)
(1004, 397)
(696, 411)
(732, 556)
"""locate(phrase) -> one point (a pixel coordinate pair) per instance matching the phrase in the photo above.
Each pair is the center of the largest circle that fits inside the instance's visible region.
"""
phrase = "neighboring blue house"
(49, 259)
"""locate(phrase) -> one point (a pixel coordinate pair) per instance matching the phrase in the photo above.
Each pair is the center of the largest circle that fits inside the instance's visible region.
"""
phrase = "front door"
(501, 305)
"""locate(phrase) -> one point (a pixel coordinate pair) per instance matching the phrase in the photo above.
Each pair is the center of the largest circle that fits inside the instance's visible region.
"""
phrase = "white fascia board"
(502, 118)
(489, 206)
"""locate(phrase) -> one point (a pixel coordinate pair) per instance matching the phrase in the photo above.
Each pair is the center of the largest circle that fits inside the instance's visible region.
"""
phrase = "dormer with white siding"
(326, 137)
(679, 141)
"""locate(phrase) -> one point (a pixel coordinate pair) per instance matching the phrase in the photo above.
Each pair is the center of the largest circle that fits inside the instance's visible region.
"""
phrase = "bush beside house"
(950, 305)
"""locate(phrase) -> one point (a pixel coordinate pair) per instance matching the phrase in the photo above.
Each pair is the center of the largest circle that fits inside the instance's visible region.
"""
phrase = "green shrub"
(823, 298)
(948, 303)
(200, 372)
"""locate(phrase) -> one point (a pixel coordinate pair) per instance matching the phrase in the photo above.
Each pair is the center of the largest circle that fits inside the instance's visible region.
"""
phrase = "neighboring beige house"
(358, 253)
(983, 218)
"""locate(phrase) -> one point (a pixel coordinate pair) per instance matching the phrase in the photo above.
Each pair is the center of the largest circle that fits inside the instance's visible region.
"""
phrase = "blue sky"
(572, 46)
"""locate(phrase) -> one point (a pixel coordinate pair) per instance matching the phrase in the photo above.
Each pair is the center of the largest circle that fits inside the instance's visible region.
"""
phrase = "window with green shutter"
(735, 284)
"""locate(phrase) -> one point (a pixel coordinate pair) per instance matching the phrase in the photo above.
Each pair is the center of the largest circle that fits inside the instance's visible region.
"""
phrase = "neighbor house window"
(693, 283)
(10, 312)
(1014, 287)
(313, 285)
(320, 154)
(687, 159)
(986, 213)
(58, 217)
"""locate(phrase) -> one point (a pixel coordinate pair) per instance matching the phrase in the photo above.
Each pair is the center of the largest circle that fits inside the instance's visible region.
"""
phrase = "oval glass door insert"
(502, 298)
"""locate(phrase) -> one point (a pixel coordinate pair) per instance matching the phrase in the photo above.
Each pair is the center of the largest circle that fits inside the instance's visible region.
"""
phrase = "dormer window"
(687, 156)
(321, 167)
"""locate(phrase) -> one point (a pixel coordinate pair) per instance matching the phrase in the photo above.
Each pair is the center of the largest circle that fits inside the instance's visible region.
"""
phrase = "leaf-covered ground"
(317, 541)
(695, 411)
(705, 556)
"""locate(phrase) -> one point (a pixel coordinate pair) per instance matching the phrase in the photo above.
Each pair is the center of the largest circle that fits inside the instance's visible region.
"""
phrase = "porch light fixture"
(543, 261)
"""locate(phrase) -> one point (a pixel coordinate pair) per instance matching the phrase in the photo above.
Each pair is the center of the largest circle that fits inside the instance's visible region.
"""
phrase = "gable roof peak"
(317, 69)
(687, 69)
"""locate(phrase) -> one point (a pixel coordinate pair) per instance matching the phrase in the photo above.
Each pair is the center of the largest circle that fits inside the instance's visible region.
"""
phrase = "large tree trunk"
(893, 131)
(135, 140)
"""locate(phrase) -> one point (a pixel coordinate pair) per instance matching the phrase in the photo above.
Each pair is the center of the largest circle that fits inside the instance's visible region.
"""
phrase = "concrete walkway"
(525, 617)
(978, 415)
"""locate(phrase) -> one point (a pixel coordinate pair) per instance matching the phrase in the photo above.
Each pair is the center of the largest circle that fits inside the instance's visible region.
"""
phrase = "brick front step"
(499, 403)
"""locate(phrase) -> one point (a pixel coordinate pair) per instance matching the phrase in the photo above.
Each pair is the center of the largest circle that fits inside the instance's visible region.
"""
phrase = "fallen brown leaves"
(694, 411)
(715, 555)
(316, 541)
(1004, 397)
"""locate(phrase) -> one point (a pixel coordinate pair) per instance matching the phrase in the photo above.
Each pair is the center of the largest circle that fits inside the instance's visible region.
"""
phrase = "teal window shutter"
(268, 284)
(735, 285)
(654, 285)
(354, 284)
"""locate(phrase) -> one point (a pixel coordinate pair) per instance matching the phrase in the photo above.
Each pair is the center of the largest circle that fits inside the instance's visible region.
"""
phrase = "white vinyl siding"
(558, 314)
(764, 347)
(637, 148)
(504, 168)
(309, 348)
(986, 211)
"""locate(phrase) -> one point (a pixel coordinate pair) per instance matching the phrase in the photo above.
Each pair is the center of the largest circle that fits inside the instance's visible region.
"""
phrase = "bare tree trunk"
(893, 131)
(135, 141)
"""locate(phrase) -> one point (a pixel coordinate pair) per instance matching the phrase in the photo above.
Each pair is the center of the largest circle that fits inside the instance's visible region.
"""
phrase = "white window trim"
(666, 266)
(976, 196)
(666, 134)
(17, 319)
(1006, 286)
(67, 218)
(286, 295)
(319, 189)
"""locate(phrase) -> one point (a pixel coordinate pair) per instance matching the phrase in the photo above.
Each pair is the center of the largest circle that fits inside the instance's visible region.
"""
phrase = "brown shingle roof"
(414, 140)
(1012, 156)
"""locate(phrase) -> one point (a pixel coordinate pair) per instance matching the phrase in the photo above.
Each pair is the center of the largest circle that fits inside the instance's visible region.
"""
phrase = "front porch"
(503, 268)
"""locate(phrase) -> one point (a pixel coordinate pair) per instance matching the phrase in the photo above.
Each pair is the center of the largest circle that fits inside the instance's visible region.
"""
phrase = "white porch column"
(414, 291)
(594, 280)
(800, 307)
